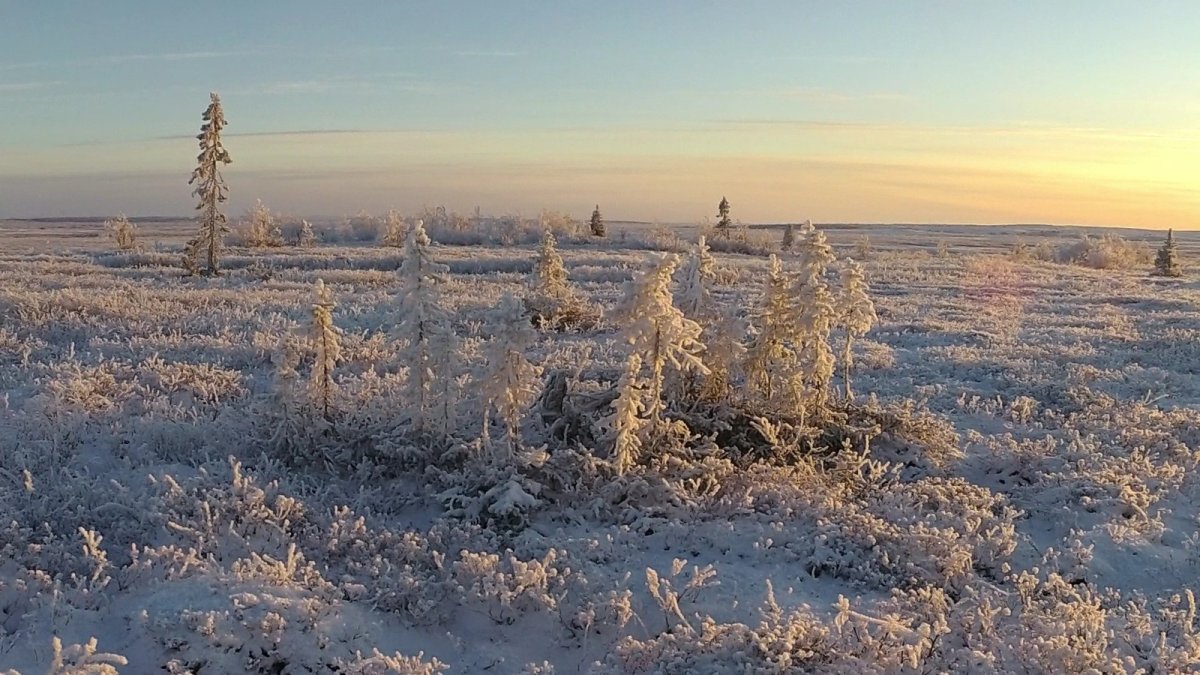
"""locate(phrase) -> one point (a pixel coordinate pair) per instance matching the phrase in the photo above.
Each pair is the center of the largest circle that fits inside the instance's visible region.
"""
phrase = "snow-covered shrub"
(305, 237)
(1107, 252)
(122, 232)
(261, 229)
(394, 230)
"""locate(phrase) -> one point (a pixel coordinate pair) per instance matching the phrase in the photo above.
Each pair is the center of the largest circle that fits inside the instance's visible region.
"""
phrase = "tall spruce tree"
(204, 250)
(724, 222)
(1167, 262)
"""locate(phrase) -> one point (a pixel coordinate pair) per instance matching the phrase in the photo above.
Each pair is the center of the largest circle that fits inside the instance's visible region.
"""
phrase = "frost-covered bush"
(122, 233)
(261, 228)
(1107, 252)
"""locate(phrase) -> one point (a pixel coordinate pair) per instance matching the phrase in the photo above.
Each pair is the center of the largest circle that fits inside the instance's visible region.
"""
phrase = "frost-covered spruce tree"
(813, 313)
(552, 302)
(549, 273)
(122, 232)
(597, 223)
(202, 253)
(1166, 264)
(626, 420)
(770, 354)
(306, 237)
(856, 313)
(657, 332)
(428, 339)
(323, 336)
(815, 251)
(510, 381)
(694, 298)
(721, 333)
(262, 228)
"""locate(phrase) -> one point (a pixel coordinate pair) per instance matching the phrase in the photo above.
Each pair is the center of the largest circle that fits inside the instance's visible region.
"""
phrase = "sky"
(950, 111)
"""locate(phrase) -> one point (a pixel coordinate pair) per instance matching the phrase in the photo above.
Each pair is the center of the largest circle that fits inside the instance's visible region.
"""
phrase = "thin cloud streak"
(28, 86)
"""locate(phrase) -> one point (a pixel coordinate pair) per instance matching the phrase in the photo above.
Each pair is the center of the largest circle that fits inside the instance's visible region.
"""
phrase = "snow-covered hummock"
(323, 336)
(855, 311)
(425, 331)
(655, 330)
(770, 354)
(510, 382)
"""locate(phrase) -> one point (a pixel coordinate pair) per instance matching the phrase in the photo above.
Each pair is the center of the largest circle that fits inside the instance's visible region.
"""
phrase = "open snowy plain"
(1027, 500)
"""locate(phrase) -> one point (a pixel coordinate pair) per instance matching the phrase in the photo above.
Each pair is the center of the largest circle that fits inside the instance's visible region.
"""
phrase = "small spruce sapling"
(597, 223)
(694, 298)
(510, 382)
(122, 232)
(1166, 264)
(202, 252)
(856, 314)
(789, 237)
(552, 302)
(721, 333)
(813, 311)
(323, 337)
(657, 332)
(770, 352)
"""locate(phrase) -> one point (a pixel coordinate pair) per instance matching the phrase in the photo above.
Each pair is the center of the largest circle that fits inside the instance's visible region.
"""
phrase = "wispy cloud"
(819, 95)
(498, 53)
(28, 86)
(126, 58)
(170, 56)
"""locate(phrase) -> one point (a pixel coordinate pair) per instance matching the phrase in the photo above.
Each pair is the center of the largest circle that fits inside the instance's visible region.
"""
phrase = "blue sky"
(945, 111)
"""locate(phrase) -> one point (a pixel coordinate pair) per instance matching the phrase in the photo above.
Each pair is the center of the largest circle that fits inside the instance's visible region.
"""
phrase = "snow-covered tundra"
(495, 450)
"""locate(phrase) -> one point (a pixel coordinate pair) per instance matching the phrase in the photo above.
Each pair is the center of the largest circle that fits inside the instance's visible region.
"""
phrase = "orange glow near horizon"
(771, 171)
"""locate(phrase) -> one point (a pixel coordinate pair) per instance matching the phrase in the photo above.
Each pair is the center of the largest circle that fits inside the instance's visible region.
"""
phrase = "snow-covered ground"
(1031, 505)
